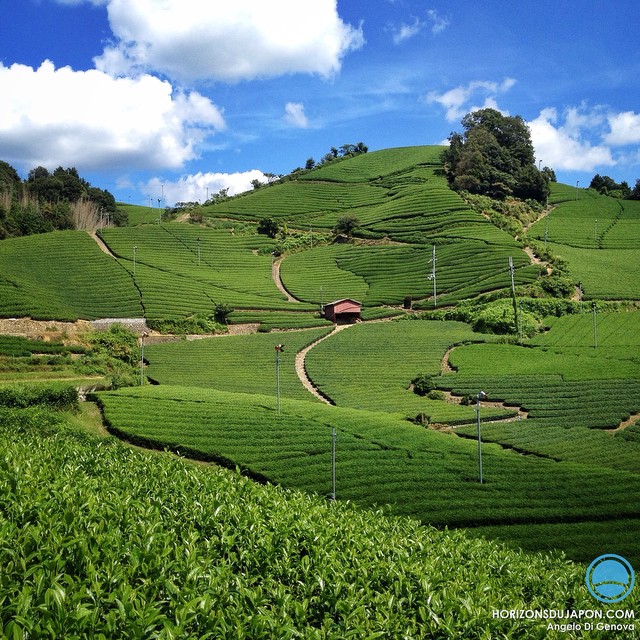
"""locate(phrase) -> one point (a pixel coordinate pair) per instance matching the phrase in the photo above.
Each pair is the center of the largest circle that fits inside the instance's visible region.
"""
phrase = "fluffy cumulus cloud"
(199, 186)
(191, 40)
(459, 101)
(567, 145)
(295, 116)
(624, 129)
(93, 120)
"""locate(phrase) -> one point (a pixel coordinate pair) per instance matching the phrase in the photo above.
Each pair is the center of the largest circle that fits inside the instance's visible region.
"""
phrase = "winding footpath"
(275, 274)
(301, 369)
(100, 242)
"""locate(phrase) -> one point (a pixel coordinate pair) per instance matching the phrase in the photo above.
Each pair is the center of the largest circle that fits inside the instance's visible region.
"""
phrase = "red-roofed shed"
(345, 310)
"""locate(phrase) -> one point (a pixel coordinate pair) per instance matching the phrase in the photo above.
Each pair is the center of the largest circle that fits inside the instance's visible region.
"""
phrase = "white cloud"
(457, 101)
(230, 41)
(295, 116)
(562, 146)
(624, 128)
(54, 117)
(196, 187)
(407, 31)
(438, 22)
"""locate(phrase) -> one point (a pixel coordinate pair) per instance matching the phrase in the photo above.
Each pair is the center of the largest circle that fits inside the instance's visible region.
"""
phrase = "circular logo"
(610, 578)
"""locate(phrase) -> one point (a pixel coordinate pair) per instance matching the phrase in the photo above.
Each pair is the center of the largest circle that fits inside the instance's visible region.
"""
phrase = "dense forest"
(49, 201)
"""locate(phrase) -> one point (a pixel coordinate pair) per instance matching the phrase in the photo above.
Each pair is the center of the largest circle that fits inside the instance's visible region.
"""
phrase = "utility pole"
(433, 275)
(279, 350)
(513, 293)
(481, 396)
(142, 337)
(546, 229)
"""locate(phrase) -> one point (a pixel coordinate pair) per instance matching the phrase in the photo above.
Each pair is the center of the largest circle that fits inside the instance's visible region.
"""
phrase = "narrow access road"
(275, 274)
(301, 369)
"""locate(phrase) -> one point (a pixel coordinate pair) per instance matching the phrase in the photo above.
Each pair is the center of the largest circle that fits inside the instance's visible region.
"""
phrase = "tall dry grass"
(5, 200)
(85, 215)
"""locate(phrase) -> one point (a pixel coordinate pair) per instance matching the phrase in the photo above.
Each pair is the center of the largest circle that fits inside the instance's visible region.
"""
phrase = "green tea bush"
(99, 540)
(195, 324)
(60, 397)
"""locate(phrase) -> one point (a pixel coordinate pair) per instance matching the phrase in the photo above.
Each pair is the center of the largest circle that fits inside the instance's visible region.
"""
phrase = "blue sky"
(185, 97)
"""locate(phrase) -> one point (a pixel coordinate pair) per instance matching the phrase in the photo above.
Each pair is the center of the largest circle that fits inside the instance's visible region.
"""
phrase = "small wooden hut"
(343, 311)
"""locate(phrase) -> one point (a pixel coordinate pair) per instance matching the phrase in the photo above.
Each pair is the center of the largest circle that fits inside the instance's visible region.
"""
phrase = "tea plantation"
(100, 539)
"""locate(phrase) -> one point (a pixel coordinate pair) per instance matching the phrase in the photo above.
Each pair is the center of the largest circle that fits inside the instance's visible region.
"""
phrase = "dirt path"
(100, 243)
(275, 274)
(445, 367)
(301, 369)
(535, 260)
(631, 420)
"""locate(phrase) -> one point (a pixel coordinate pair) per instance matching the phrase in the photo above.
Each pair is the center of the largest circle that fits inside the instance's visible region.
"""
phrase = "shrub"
(117, 342)
(268, 227)
(346, 224)
(423, 384)
(56, 397)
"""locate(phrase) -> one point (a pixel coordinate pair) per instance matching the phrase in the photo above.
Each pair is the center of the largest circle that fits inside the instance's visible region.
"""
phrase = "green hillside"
(63, 276)
(599, 239)
(536, 308)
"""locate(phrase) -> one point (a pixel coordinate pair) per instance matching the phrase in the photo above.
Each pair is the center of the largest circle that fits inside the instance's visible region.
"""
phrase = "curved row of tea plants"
(380, 459)
(99, 540)
(63, 276)
(181, 269)
(597, 237)
(386, 275)
(233, 363)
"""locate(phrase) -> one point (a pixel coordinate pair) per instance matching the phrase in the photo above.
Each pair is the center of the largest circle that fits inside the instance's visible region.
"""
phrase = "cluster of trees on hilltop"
(495, 157)
(609, 187)
(345, 151)
(48, 201)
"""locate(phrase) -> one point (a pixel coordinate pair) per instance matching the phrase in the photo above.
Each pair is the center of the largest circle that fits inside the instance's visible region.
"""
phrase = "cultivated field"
(599, 239)
(122, 543)
(126, 541)
(63, 276)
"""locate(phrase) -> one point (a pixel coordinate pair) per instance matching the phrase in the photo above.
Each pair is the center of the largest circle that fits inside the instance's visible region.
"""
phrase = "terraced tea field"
(63, 276)
(232, 363)
(380, 460)
(371, 366)
(560, 428)
(182, 269)
(385, 275)
(192, 551)
(599, 239)
(576, 395)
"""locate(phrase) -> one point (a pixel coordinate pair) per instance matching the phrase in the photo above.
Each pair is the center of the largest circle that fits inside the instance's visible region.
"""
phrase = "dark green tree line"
(43, 202)
(494, 156)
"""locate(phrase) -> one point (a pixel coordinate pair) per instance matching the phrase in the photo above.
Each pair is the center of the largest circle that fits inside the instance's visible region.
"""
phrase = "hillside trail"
(275, 274)
(630, 421)
(301, 369)
(100, 242)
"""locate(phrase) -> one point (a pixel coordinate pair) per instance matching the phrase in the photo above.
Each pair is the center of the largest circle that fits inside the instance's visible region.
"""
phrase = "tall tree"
(494, 156)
